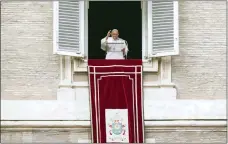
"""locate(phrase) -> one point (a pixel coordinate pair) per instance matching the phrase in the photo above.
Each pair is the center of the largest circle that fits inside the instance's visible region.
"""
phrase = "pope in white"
(115, 47)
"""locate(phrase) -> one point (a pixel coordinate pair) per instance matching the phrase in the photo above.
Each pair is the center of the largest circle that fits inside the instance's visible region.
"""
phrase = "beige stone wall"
(29, 70)
(188, 134)
(199, 72)
(75, 135)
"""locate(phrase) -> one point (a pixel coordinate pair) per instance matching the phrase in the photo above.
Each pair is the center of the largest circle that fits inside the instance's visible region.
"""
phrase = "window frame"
(84, 6)
(56, 31)
(150, 62)
(150, 32)
(147, 44)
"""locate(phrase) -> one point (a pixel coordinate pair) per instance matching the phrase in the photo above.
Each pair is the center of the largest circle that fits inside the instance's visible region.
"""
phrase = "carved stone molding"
(148, 65)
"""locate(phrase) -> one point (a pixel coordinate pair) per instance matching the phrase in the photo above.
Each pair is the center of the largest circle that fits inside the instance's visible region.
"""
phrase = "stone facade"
(199, 72)
(30, 71)
(82, 135)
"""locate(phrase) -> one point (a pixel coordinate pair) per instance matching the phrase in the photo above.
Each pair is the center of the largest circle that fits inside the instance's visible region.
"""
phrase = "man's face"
(115, 34)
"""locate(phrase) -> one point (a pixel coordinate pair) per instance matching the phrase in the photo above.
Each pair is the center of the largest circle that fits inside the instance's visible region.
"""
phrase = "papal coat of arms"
(117, 125)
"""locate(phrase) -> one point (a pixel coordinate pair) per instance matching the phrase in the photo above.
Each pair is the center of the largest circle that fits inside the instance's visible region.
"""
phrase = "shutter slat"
(168, 33)
(65, 38)
(164, 44)
(63, 34)
(70, 29)
(68, 39)
(162, 19)
(158, 40)
(70, 22)
(167, 38)
(162, 27)
(67, 16)
(69, 26)
(71, 37)
(162, 23)
(161, 15)
(69, 43)
(163, 34)
(163, 10)
(67, 11)
(167, 43)
(164, 47)
(162, 31)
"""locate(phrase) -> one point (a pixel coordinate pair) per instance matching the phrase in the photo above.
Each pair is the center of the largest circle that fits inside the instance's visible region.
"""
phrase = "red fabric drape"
(116, 84)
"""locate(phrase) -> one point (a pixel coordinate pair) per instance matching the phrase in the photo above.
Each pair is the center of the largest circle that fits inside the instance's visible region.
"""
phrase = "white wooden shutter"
(163, 28)
(69, 28)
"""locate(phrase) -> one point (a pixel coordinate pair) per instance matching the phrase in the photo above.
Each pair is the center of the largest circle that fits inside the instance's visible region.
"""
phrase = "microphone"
(126, 42)
(127, 46)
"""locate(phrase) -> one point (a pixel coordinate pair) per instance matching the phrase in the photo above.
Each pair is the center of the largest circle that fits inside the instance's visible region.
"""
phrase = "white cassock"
(114, 47)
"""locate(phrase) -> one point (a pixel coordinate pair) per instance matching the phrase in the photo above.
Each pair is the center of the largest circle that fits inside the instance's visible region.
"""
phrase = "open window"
(160, 38)
(163, 29)
(160, 31)
(68, 28)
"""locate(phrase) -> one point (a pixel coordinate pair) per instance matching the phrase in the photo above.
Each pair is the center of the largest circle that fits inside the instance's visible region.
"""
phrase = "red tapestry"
(116, 101)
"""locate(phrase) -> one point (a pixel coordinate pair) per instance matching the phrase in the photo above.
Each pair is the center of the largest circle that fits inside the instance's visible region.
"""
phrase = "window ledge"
(148, 66)
(145, 84)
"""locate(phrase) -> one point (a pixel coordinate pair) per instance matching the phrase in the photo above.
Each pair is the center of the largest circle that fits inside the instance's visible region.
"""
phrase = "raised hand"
(108, 34)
